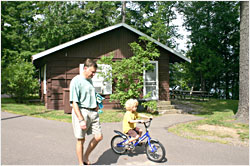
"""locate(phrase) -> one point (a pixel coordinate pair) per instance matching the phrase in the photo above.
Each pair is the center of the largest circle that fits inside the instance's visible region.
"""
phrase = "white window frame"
(157, 82)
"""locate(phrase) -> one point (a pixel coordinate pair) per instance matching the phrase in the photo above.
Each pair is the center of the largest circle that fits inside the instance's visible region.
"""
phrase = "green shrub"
(150, 105)
(127, 74)
(18, 80)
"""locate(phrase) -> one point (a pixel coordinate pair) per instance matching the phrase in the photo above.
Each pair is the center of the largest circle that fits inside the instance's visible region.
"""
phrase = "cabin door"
(151, 83)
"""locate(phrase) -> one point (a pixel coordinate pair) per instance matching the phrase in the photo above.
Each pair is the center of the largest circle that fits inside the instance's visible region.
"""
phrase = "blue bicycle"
(154, 149)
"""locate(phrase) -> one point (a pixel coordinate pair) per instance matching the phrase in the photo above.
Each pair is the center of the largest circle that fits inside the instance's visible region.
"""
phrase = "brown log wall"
(63, 65)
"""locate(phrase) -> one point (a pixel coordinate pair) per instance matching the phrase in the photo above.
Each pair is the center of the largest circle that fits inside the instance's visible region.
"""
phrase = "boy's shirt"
(127, 117)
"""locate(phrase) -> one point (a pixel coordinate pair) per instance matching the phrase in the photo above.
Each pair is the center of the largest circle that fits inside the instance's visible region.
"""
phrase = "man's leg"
(79, 150)
(92, 144)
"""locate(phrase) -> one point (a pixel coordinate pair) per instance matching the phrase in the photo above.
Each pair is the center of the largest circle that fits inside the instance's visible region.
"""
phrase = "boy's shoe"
(126, 145)
(129, 146)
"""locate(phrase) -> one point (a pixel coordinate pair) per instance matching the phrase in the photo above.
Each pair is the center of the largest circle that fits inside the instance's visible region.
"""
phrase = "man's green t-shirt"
(82, 91)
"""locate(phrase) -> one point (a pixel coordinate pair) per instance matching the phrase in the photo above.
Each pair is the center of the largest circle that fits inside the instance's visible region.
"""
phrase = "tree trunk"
(243, 108)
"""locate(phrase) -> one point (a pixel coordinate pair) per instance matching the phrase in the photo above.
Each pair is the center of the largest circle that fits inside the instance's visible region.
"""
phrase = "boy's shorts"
(92, 120)
(133, 132)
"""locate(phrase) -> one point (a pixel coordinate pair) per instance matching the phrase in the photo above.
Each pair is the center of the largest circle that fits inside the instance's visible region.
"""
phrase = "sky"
(182, 42)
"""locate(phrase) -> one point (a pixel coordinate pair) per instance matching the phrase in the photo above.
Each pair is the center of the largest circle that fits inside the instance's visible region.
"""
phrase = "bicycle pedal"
(131, 147)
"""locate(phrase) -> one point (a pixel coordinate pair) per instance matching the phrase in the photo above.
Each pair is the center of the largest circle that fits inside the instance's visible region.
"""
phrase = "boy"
(130, 120)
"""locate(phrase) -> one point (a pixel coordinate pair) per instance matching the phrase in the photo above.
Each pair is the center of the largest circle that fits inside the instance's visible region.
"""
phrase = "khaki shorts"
(134, 132)
(92, 120)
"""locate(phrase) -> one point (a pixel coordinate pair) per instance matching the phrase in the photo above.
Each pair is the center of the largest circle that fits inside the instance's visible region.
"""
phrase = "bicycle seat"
(121, 134)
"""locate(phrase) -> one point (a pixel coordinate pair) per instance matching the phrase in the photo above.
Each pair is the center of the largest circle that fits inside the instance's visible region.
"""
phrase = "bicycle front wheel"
(117, 144)
(155, 151)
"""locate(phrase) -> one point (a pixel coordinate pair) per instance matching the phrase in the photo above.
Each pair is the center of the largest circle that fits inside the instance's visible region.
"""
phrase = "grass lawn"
(218, 124)
(39, 110)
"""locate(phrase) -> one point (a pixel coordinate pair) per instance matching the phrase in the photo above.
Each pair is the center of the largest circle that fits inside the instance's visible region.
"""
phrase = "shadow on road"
(141, 150)
(13, 117)
(20, 116)
(109, 157)
(138, 150)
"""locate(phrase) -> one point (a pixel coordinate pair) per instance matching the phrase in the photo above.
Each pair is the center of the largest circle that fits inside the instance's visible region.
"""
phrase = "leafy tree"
(154, 18)
(18, 80)
(16, 19)
(160, 20)
(127, 74)
(178, 76)
(64, 21)
(33, 26)
(214, 45)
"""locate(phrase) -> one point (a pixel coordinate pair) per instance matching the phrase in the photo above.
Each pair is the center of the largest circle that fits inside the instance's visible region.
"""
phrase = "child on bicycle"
(131, 118)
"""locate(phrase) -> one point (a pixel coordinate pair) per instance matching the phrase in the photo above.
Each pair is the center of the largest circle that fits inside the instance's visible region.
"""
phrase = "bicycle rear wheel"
(117, 144)
(155, 151)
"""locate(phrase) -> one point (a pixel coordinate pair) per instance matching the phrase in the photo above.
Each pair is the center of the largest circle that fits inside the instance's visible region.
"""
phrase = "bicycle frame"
(146, 135)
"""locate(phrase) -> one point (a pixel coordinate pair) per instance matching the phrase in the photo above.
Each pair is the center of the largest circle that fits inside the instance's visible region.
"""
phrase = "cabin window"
(101, 84)
(151, 83)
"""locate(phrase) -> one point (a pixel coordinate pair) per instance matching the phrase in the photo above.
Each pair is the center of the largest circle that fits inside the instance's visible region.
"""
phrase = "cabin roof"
(99, 32)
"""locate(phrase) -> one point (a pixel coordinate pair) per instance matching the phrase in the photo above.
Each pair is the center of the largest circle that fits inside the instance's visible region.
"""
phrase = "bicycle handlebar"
(147, 123)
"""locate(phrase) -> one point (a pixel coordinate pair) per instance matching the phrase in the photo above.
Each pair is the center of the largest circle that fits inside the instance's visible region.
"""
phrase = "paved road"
(35, 141)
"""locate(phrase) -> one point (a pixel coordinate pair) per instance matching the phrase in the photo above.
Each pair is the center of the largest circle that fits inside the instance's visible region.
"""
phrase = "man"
(85, 118)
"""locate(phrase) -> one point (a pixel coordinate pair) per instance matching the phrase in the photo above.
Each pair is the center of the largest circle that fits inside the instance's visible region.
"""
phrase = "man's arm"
(79, 116)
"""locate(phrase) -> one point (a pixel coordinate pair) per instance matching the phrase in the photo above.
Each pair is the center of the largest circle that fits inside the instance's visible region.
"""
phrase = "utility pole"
(123, 11)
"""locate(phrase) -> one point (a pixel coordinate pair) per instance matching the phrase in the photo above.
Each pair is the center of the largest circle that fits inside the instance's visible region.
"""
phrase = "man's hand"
(83, 125)
(79, 116)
